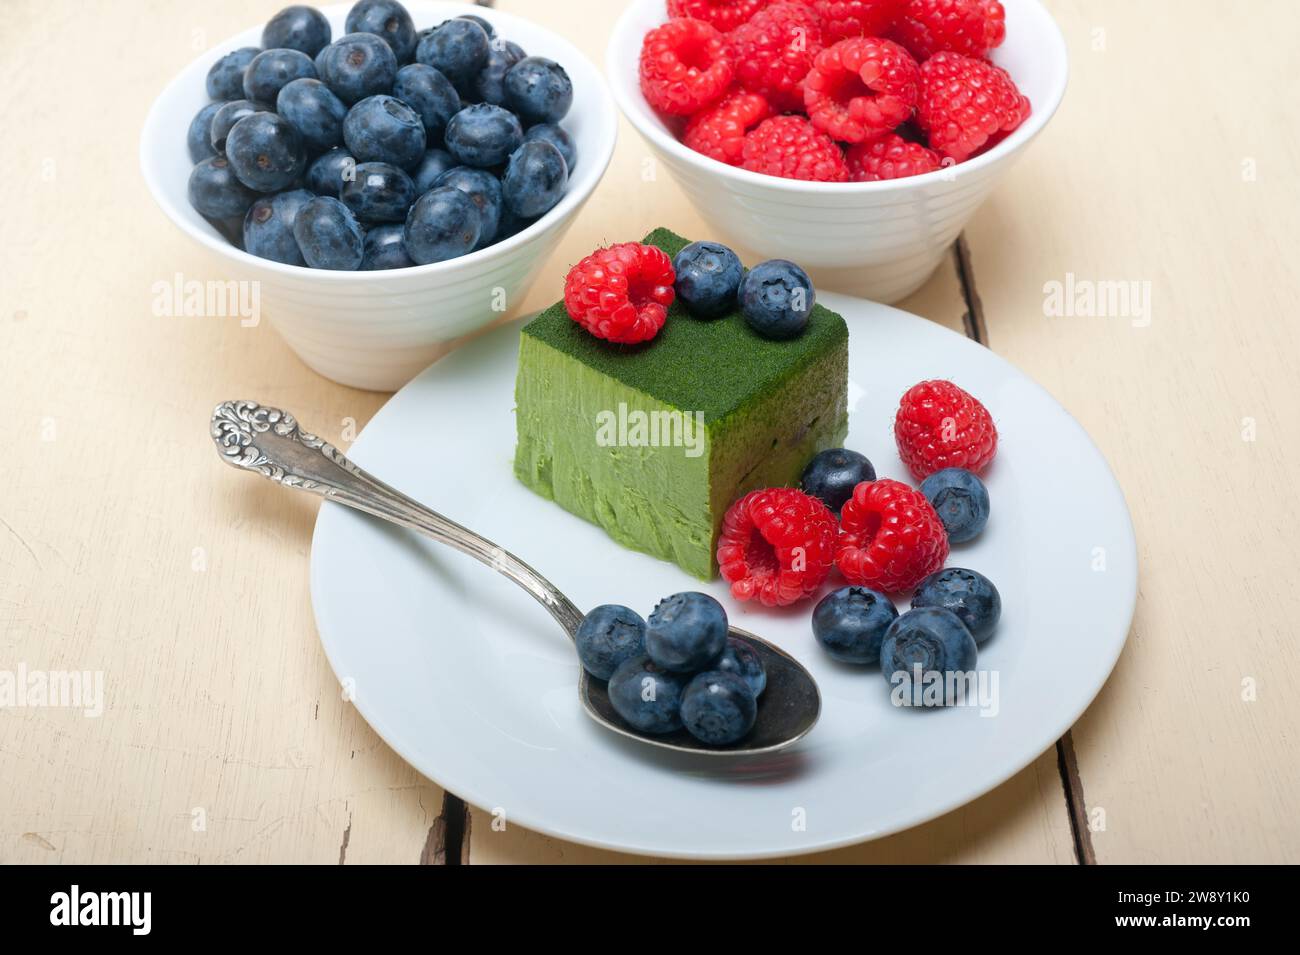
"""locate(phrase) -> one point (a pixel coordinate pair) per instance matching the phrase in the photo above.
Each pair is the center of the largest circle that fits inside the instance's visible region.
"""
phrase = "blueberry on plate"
(265, 152)
(968, 594)
(776, 298)
(384, 129)
(457, 48)
(387, 19)
(224, 119)
(485, 189)
(708, 276)
(198, 138)
(489, 85)
(535, 179)
(329, 235)
(444, 223)
(299, 28)
(962, 501)
(607, 636)
(313, 110)
(851, 622)
(226, 76)
(384, 248)
(378, 192)
(833, 474)
(557, 137)
(329, 171)
(648, 697)
(743, 660)
(356, 66)
(273, 70)
(216, 192)
(433, 165)
(686, 632)
(539, 90)
(430, 94)
(931, 643)
(483, 135)
(718, 708)
(268, 226)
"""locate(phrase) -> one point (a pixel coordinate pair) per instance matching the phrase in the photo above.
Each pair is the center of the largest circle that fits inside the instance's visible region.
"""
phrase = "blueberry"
(708, 276)
(557, 137)
(933, 640)
(776, 298)
(383, 129)
(687, 632)
(356, 66)
(430, 94)
(535, 179)
(385, 249)
(387, 19)
(483, 135)
(327, 174)
(443, 224)
(272, 70)
(314, 111)
(265, 152)
(718, 708)
(646, 696)
(961, 500)
(833, 474)
(268, 226)
(216, 192)
(329, 235)
(968, 594)
(224, 119)
(379, 193)
(199, 136)
(538, 90)
(607, 636)
(297, 28)
(489, 85)
(457, 48)
(433, 165)
(743, 660)
(487, 27)
(851, 622)
(226, 77)
(485, 189)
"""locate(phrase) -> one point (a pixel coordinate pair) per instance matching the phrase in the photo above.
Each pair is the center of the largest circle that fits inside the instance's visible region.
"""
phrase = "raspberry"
(685, 65)
(940, 426)
(789, 146)
(726, 15)
(775, 50)
(846, 18)
(891, 157)
(621, 293)
(861, 88)
(969, 27)
(719, 131)
(965, 102)
(777, 545)
(891, 538)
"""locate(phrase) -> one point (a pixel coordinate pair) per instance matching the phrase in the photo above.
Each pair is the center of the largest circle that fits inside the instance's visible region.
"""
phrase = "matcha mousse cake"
(653, 442)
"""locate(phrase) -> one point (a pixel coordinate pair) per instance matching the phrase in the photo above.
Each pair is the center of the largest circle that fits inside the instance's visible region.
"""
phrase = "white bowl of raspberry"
(865, 217)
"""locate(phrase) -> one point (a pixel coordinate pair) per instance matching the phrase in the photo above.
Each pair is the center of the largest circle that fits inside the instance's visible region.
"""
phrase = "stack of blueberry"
(679, 670)
(383, 149)
(775, 297)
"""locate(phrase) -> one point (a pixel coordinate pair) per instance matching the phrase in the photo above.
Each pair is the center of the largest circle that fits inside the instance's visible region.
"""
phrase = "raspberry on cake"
(939, 426)
(891, 538)
(861, 88)
(622, 293)
(965, 103)
(685, 65)
(777, 546)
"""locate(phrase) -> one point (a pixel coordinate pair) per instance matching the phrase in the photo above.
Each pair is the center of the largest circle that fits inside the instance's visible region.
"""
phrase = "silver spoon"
(269, 442)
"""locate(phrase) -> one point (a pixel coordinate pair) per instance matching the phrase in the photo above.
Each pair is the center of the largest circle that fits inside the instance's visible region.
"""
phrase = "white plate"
(474, 684)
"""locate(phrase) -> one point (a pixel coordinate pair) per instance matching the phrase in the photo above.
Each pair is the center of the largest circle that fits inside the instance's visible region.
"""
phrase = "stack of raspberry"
(833, 90)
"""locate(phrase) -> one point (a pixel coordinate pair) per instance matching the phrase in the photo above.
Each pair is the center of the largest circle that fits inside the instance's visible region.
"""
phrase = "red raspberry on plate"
(777, 546)
(621, 293)
(965, 103)
(939, 426)
(775, 50)
(861, 88)
(846, 18)
(726, 15)
(789, 146)
(890, 157)
(719, 131)
(969, 27)
(891, 537)
(685, 65)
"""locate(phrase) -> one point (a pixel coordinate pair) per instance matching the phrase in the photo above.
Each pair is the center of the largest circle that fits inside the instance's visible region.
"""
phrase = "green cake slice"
(654, 442)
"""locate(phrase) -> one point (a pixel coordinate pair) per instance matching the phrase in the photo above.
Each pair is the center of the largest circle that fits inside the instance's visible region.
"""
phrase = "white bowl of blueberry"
(392, 175)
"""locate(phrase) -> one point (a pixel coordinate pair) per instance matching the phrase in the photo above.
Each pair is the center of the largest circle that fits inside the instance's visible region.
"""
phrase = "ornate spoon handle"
(269, 442)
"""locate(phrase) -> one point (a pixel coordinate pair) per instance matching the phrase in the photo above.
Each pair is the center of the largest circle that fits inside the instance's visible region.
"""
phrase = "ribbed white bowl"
(377, 330)
(879, 240)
